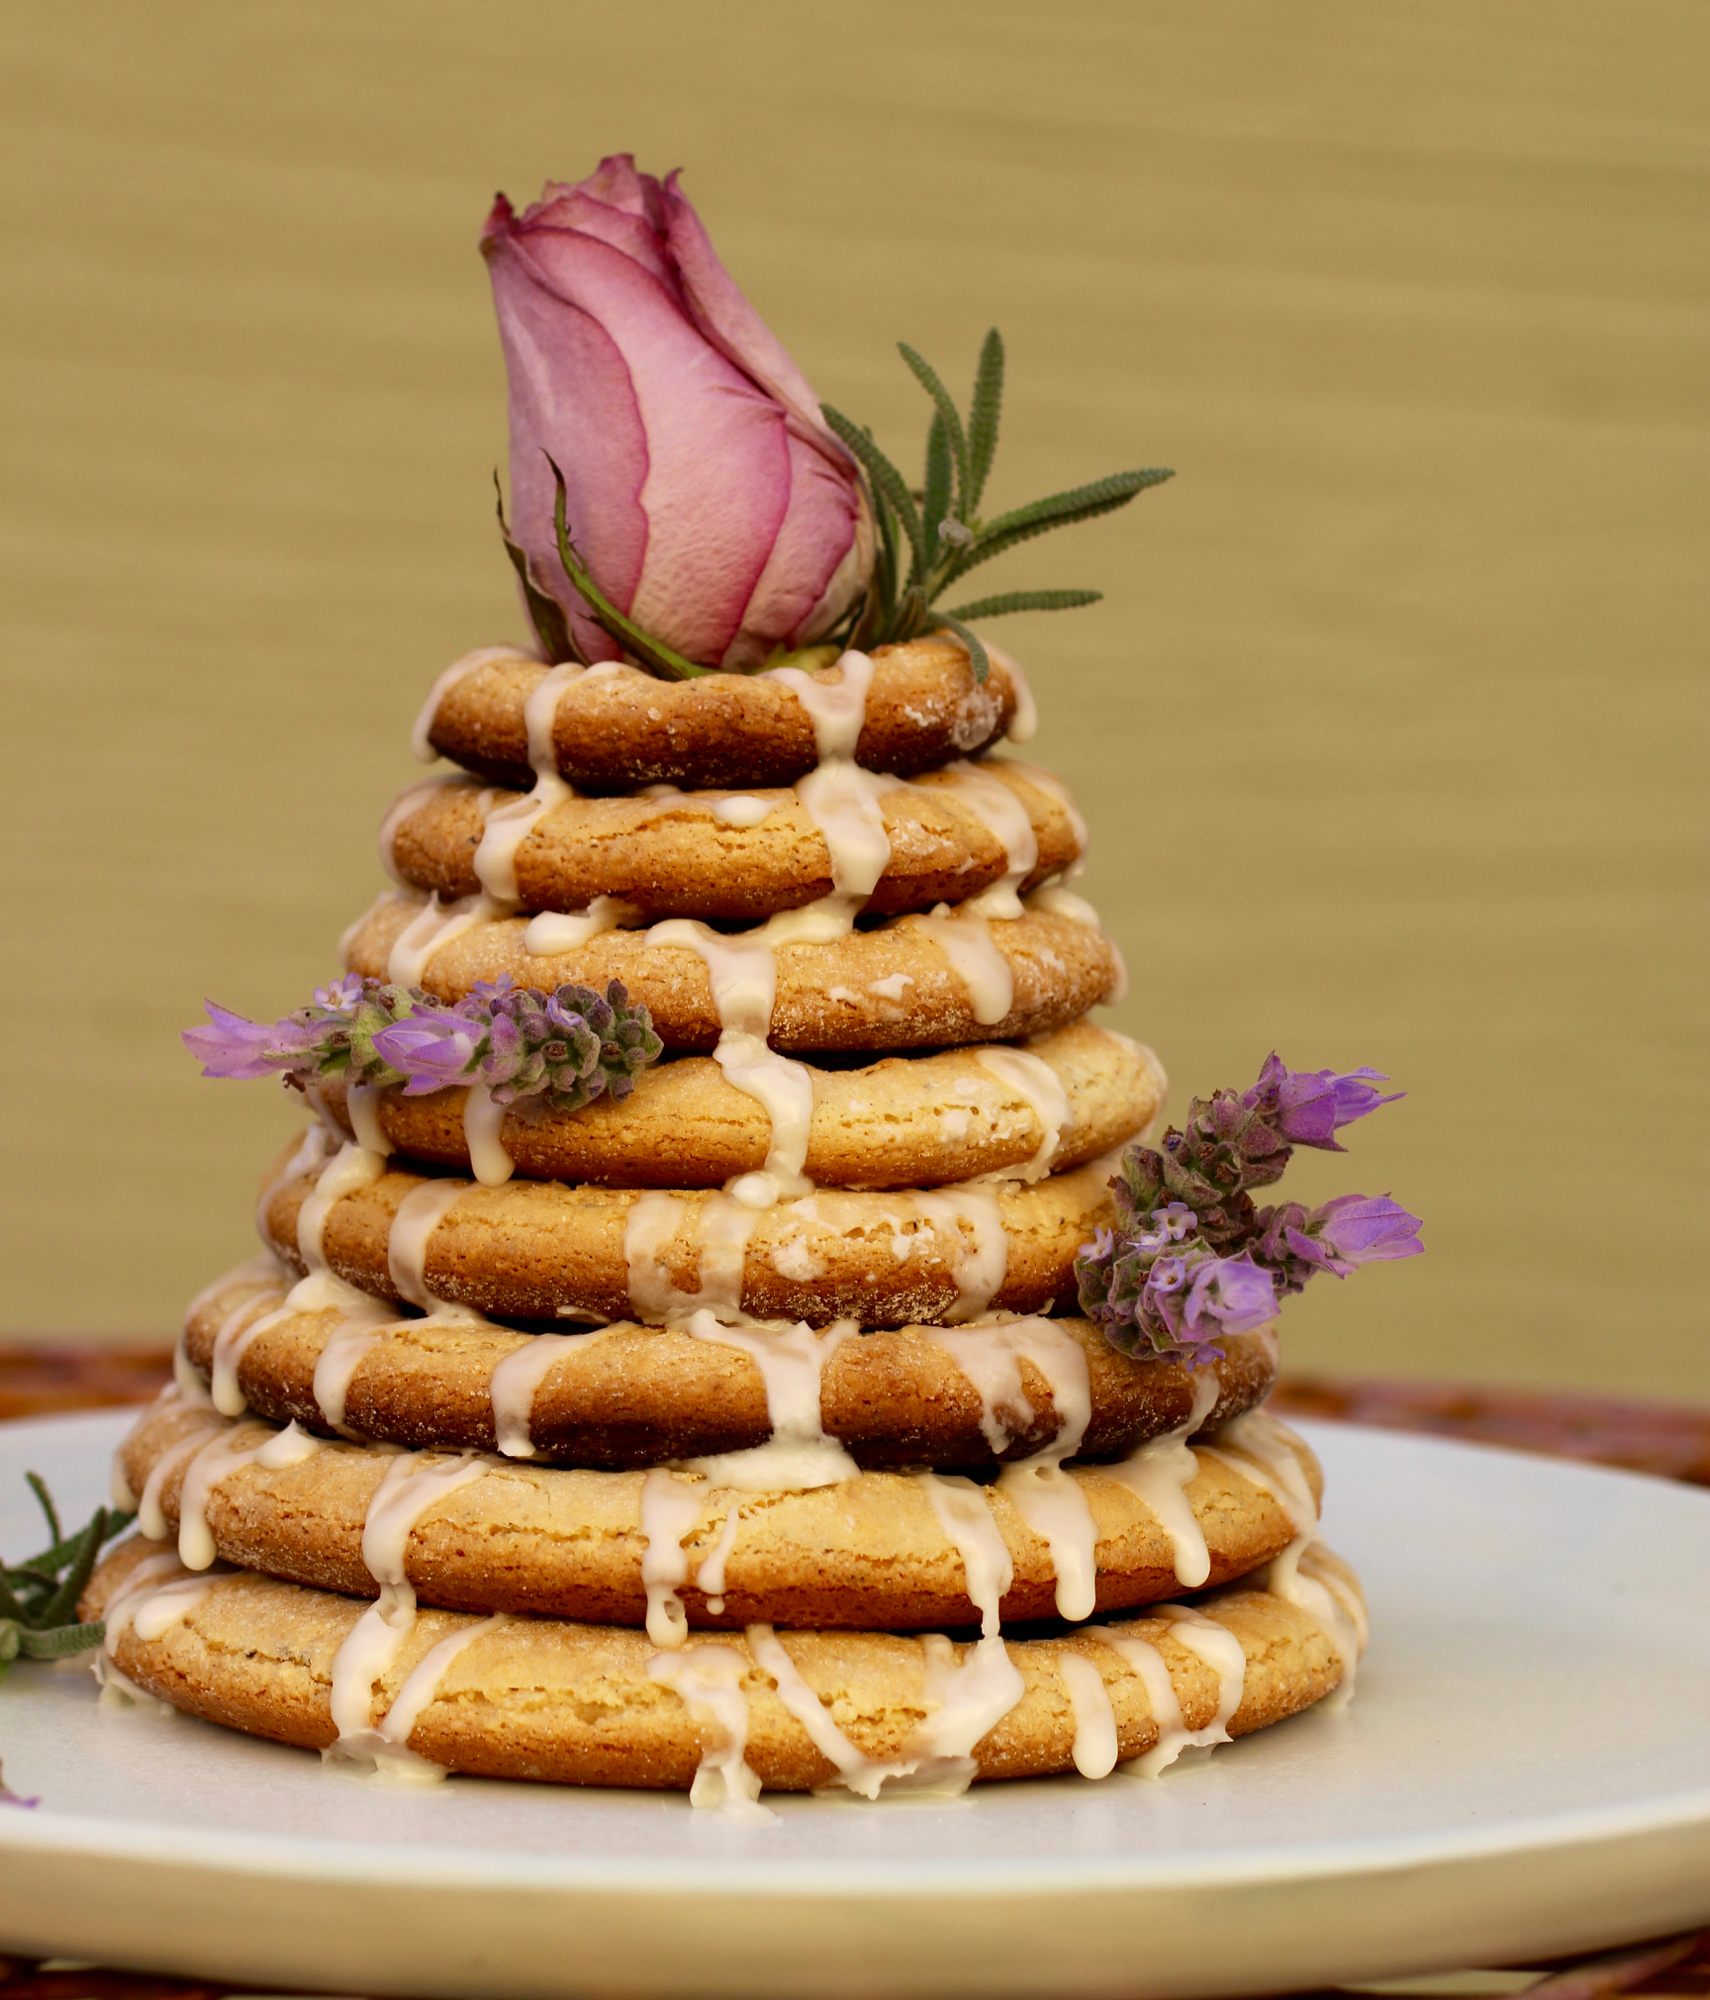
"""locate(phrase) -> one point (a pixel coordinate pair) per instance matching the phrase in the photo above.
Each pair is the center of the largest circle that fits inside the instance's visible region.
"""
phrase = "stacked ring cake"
(723, 1290)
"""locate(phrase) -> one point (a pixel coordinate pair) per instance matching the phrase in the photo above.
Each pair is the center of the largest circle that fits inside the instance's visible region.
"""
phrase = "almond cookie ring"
(914, 982)
(881, 1551)
(904, 1122)
(617, 727)
(538, 1250)
(629, 1395)
(590, 1705)
(741, 857)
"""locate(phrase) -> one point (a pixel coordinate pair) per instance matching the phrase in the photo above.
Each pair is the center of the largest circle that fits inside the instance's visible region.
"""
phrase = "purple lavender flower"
(1233, 1291)
(232, 1046)
(1366, 1229)
(431, 1051)
(1307, 1107)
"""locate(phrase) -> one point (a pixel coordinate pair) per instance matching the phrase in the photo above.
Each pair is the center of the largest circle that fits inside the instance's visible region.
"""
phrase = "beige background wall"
(1389, 729)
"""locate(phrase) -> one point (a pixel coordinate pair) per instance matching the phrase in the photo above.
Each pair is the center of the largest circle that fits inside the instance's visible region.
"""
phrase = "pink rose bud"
(705, 494)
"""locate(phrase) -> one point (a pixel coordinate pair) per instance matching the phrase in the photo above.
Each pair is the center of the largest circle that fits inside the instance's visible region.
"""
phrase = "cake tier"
(627, 1395)
(590, 1705)
(884, 1551)
(540, 1250)
(901, 1123)
(743, 857)
(913, 982)
(618, 728)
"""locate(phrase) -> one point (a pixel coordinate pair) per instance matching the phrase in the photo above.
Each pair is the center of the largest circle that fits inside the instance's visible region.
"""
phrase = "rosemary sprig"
(38, 1597)
(943, 529)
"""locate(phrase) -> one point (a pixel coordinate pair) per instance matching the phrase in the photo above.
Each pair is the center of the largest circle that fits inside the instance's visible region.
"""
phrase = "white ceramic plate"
(1526, 1769)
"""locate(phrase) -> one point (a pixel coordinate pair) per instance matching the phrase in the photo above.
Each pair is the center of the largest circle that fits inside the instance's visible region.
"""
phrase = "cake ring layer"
(581, 1704)
(896, 986)
(628, 1395)
(905, 1122)
(873, 1551)
(538, 1250)
(618, 728)
(682, 856)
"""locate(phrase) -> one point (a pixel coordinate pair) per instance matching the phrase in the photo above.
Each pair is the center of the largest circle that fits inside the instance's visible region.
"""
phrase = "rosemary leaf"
(61, 1642)
(983, 413)
(1024, 600)
(63, 1603)
(38, 1486)
(936, 502)
(950, 417)
(656, 657)
(1058, 510)
(888, 481)
(976, 652)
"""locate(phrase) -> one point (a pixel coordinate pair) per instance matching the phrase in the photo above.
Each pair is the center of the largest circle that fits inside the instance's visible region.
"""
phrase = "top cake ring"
(945, 837)
(616, 727)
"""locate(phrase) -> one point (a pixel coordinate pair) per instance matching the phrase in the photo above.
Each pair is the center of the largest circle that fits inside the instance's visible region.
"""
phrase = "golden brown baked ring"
(923, 1121)
(632, 1395)
(575, 1704)
(677, 857)
(892, 987)
(538, 1250)
(619, 728)
(565, 1542)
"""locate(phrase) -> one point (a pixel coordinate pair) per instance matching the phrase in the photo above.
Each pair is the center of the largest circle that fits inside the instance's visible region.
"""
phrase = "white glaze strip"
(709, 1679)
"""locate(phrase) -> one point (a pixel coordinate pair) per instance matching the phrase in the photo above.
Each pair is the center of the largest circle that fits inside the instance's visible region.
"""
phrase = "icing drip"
(161, 1609)
(419, 1215)
(1025, 722)
(966, 1518)
(516, 1381)
(966, 942)
(709, 1681)
(1003, 816)
(855, 1771)
(1095, 1743)
(433, 925)
(798, 1456)
(743, 974)
(1052, 1502)
(1053, 900)
(407, 802)
(740, 810)
(977, 1269)
(670, 1508)
(413, 1482)
(352, 1168)
(459, 670)
(483, 1122)
(842, 800)
(709, 1578)
(990, 1356)
(967, 1700)
(1218, 1648)
(553, 931)
(337, 1363)
(1032, 1079)
(149, 1577)
(837, 709)
(720, 1227)
(216, 1459)
(363, 1102)
(418, 1692)
(151, 1520)
(509, 825)
(231, 1340)
(1159, 1472)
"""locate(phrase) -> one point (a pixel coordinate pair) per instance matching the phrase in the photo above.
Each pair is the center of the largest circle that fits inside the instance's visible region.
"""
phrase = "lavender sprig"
(1192, 1256)
(562, 1049)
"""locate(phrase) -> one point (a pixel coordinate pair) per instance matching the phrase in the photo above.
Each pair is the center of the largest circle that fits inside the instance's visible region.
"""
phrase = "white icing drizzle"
(741, 810)
(483, 1122)
(151, 1519)
(231, 1340)
(316, 1147)
(420, 1689)
(709, 1578)
(966, 1518)
(977, 1269)
(337, 1363)
(1159, 1472)
(1009, 822)
(1039, 1086)
(721, 1227)
(1095, 1743)
(856, 1772)
(218, 1458)
(670, 1508)
(412, 1483)
(362, 1100)
(709, 1681)
(143, 1581)
(435, 924)
(1218, 1647)
(459, 670)
(965, 939)
(516, 1381)
(989, 1356)
(163, 1608)
(1051, 1501)
(553, 931)
(837, 709)
(509, 825)
(419, 1214)
(798, 1456)
(353, 1167)
(1024, 723)
(1053, 900)
(967, 1700)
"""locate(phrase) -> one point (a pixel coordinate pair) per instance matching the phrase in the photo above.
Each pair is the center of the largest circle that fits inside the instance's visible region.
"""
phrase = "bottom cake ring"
(544, 1699)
